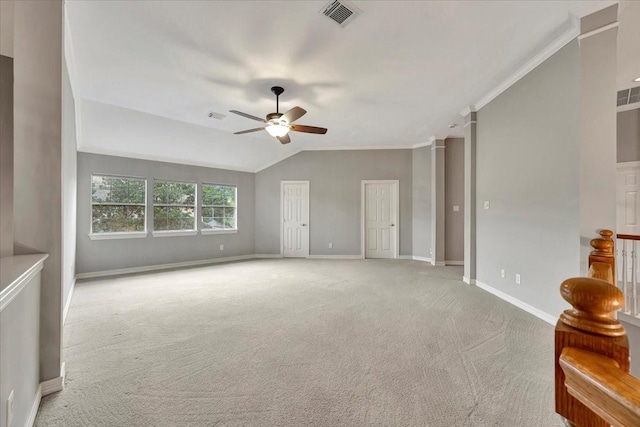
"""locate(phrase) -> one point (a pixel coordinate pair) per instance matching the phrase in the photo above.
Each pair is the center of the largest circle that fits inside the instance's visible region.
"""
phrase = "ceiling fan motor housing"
(274, 117)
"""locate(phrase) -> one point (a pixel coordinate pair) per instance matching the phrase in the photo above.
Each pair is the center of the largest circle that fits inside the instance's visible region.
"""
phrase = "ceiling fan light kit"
(277, 124)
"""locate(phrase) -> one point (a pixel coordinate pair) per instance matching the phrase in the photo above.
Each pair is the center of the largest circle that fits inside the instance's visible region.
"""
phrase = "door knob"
(304, 225)
(392, 225)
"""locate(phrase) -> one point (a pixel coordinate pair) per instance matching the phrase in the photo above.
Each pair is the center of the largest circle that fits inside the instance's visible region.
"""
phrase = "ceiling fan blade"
(294, 114)
(248, 116)
(284, 139)
(248, 131)
(308, 129)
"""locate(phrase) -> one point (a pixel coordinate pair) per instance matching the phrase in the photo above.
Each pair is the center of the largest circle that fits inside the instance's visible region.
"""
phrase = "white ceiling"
(147, 73)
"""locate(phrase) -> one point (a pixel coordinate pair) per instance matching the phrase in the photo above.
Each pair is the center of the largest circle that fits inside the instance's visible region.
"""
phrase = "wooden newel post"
(602, 260)
(590, 325)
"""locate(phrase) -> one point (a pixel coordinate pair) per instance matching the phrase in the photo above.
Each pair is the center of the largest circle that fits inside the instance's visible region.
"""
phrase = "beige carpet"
(301, 343)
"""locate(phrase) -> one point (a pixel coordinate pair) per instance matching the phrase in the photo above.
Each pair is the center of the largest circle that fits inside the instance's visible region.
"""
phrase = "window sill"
(175, 233)
(223, 231)
(113, 236)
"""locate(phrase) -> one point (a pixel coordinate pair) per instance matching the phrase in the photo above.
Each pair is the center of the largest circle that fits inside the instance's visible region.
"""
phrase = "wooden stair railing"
(602, 260)
(628, 280)
(592, 382)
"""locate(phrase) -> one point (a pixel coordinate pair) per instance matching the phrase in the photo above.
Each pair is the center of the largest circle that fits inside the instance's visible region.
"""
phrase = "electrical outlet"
(10, 408)
(330, 245)
(456, 208)
(517, 279)
(430, 251)
(222, 247)
(487, 204)
(503, 273)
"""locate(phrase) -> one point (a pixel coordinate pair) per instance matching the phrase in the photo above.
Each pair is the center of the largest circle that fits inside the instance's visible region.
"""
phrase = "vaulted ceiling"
(146, 74)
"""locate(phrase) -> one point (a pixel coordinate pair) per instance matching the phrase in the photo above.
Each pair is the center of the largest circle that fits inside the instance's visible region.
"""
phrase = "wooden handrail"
(604, 388)
(628, 236)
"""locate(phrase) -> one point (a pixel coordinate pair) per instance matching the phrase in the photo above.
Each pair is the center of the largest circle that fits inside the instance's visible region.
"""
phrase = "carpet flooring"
(301, 343)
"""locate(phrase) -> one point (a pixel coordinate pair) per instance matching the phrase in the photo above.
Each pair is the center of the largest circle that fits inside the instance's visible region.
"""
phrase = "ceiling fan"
(277, 124)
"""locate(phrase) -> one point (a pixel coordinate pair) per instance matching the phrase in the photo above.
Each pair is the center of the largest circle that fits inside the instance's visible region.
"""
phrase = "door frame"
(363, 237)
(282, 183)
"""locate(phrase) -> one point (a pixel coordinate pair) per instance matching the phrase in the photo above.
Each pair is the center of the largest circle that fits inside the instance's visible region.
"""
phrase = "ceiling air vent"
(341, 12)
(628, 96)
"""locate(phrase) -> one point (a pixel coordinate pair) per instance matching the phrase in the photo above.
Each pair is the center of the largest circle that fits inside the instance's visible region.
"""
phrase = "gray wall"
(19, 344)
(6, 156)
(104, 255)
(69, 188)
(629, 136)
(527, 167)
(421, 158)
(454, 195)
(37, 160)
(334, 200)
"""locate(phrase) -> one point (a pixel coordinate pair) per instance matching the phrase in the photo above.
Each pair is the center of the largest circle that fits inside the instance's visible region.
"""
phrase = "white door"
(295, 219)
(380, 219)
(628, 207)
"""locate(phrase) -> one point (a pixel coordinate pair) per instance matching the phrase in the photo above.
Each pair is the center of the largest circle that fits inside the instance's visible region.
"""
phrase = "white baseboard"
(268, 255)
(54, 384)
(438, 263)
(335, 256)
(415, 258)
(468, 281)
(34, 407)
(454, 262)
(147, 268)
(68, 303)
(522, 305)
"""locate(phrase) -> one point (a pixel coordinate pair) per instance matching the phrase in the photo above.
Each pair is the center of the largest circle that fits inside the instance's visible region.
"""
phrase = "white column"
(437, 202)
(469, 275)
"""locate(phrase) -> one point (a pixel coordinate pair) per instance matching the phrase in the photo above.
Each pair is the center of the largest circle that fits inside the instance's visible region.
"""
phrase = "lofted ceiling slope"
(146, 74)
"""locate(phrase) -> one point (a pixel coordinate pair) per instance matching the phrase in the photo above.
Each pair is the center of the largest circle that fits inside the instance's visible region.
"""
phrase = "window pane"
(230, 217)
(218, 223)
(177, 206)
(207, 222)
(218, 195)
(118, 204)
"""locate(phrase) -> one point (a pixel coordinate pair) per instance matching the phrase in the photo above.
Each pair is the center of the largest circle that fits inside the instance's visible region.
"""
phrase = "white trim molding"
(335, 257)
(454, 262)
(114, 236)
(68, 302)
(175, 233)
(416, 258)
(468, 281)
(542, 56)
(267, 256)
(630, 319)
(34, 407)
(438, 263)
(209, 231)
(628, 107)
(23, 268)
(143, 269)
(627, 165)
(520, 304)
(54, 384)
(599, 30)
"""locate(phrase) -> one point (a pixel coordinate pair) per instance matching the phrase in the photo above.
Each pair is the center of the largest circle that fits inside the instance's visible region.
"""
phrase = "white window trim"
(120, 235)
(219, 231)
(202, 206)
(174, 233)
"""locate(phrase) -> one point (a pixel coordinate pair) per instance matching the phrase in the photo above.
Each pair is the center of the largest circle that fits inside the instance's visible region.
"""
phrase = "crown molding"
(543, 55)
(422, 144)
(599, 30)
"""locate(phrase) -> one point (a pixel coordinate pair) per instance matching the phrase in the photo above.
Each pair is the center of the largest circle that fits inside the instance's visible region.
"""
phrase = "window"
(174, 206)
(218, 207)
(117, 204)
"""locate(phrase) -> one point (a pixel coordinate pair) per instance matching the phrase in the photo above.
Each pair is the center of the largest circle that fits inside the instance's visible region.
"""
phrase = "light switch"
(487, 204)
(456, 208)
